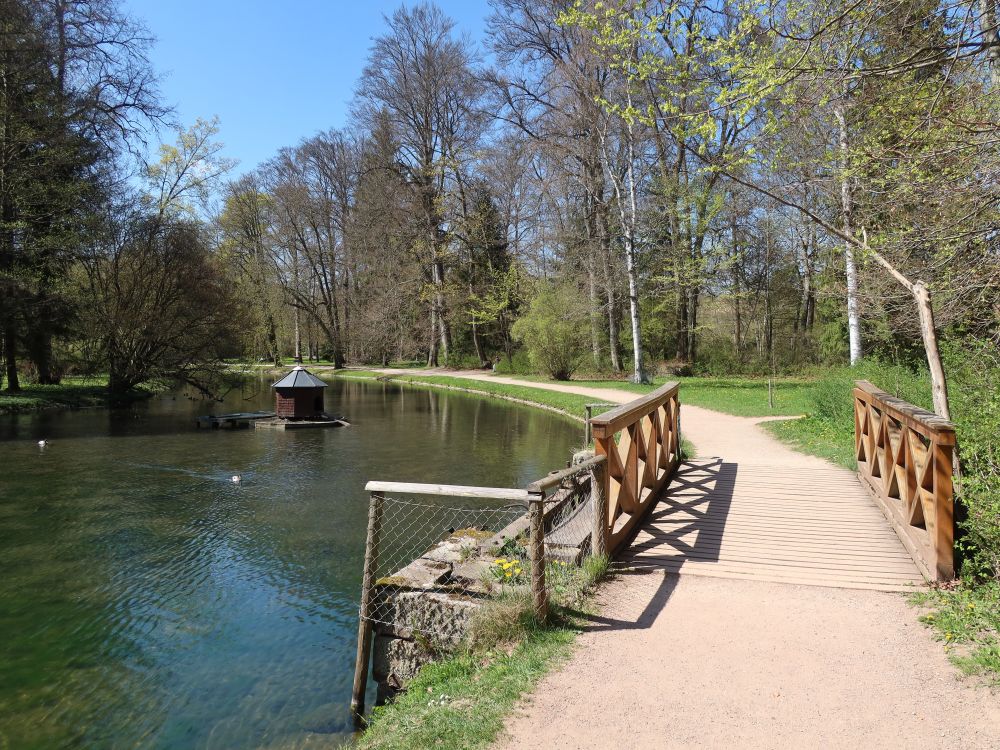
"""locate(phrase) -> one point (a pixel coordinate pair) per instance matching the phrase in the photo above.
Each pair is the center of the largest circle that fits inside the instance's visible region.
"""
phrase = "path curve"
(698, 662)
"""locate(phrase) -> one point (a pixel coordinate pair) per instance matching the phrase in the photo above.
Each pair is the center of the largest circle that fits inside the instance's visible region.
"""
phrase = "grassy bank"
(72, 393)
(569, 404)
(461, 702)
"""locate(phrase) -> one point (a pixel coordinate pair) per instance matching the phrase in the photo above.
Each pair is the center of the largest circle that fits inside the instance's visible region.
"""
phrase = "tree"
(419, 80)
(75, 88)
(554, 331)
(156, 302)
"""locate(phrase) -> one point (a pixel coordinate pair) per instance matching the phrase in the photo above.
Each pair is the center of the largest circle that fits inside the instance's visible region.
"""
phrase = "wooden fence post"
(539, 596)
(599, 502)
(587, 431)
(365, 623)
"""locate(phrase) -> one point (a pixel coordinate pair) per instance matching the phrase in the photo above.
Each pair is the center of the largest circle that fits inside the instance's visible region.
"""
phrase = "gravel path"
(697, 662)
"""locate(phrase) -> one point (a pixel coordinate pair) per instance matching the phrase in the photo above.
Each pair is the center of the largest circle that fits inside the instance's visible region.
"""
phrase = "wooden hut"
(299, 395)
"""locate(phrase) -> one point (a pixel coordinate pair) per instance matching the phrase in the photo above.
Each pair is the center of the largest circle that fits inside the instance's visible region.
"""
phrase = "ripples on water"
(146, 600)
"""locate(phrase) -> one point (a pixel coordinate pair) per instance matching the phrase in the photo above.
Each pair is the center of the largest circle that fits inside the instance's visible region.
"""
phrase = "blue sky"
(274, 72)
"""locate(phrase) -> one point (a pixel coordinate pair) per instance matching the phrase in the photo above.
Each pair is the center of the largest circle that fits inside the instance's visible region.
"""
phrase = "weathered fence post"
(599, 502)
(587, 432)
(365, 623)
(539, 595)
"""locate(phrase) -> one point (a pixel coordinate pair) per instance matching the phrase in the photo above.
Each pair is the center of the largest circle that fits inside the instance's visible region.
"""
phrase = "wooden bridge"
(760, 511)
(767, 513)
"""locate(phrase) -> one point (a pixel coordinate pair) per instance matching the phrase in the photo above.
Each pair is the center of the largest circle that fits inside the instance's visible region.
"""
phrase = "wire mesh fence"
(432, 565)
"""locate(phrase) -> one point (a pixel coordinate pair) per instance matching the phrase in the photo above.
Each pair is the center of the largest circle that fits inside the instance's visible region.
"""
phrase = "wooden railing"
(642, 443)
(905, 457)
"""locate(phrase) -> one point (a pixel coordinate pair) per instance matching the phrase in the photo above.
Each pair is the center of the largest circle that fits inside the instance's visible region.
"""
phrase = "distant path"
(611, 395)
(692, 661)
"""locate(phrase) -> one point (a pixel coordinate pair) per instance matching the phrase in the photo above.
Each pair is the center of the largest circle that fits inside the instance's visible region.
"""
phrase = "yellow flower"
(518, 571)
(499, 561)
(508, 574)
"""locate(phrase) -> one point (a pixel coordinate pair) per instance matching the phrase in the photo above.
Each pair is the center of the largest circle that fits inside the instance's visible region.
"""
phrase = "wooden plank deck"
(781, 523)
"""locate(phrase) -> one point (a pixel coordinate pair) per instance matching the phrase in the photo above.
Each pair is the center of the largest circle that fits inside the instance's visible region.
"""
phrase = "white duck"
(236, 479)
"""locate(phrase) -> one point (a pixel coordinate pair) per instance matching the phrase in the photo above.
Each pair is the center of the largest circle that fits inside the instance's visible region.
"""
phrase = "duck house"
(299, 395)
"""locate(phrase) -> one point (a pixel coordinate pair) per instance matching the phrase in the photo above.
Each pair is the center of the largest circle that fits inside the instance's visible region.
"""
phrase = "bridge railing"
(641, 440)
(905, 456)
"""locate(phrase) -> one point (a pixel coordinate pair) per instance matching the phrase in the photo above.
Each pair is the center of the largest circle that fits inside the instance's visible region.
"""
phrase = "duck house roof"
(299, 377)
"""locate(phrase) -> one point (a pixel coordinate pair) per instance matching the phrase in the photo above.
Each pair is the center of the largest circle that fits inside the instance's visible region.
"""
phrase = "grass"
(816, 437)
(967, 620)
(72, 393)
(462, 701)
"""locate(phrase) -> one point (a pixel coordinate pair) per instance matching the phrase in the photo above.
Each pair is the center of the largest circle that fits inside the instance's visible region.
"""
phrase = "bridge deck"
(792, 524)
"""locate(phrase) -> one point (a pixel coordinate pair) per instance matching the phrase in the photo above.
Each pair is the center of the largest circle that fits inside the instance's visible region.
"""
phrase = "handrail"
(927, 423)
(449, 490)
(557, 477)
(905, 458)
(613, 421)
(640, 462)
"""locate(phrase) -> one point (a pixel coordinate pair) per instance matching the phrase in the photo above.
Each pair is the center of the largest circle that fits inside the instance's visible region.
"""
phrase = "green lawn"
(72, 393)
(816, 437)
(744, 397)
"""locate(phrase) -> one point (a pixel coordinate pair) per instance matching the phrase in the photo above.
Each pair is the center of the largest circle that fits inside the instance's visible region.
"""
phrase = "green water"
(147, 601)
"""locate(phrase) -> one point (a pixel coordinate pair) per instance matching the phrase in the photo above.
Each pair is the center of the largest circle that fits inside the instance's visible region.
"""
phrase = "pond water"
(147, 601)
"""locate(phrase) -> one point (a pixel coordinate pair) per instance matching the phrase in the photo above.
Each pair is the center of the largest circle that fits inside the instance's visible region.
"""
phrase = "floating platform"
(279, 423)
(233, 421)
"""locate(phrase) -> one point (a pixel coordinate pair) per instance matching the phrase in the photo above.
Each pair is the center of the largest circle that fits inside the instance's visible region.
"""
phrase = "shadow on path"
(687, 523)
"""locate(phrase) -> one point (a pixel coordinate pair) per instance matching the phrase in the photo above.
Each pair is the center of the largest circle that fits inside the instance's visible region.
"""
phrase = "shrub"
(553, 331)
(518, 364)
(974, 387)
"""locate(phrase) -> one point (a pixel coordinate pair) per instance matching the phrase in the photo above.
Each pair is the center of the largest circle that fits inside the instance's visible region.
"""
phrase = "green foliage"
(518, 364)
(967, 619)
(974, 370)
(554, 331)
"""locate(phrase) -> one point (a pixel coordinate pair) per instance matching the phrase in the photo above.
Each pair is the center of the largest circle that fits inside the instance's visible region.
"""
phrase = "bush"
(553, 331)
(518, 364)
(973, 368)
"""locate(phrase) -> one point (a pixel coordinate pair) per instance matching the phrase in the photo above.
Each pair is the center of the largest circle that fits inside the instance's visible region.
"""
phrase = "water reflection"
(147, 600)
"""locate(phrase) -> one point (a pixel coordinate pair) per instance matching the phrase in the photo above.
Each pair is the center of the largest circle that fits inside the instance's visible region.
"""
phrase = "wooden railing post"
(365, 623)
(588, 434)
(539, 596)
(944, 510)
(599, 502)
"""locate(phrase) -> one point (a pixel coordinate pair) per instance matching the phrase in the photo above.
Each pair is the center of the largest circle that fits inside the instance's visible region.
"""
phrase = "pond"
(148, 601)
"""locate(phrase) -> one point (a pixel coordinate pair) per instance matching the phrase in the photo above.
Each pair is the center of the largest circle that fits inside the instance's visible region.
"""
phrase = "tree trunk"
(595, 313)
(10, 358)
(939, 383)
(988, 18)
(847, 208)
(682, 321)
